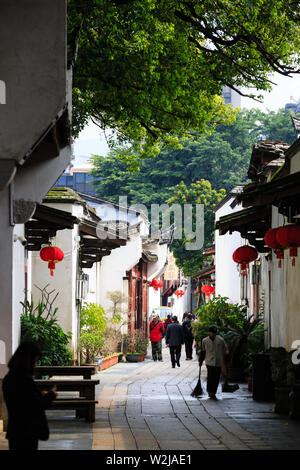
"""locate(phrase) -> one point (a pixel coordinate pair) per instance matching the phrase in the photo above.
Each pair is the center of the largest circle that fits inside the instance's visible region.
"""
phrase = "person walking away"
(174, 339)
(156, 336)
(167, 322)
(27, 422)
(188, 337)
(215, 352)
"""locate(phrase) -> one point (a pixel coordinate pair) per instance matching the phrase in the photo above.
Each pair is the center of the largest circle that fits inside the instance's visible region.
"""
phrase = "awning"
(96, 243)
(44, 224)
(205, 273)
(252, 224)
(281, 192)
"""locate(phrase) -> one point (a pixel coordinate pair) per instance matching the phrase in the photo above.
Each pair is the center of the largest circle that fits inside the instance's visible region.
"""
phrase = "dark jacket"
(174, 336)
(187, 330)
(26, 407)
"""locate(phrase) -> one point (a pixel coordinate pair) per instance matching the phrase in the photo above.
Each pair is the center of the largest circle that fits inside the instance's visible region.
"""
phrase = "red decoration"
(243, 256)
(207, 290)
(271, 241)
(52, 255)
(289, 237)
(179, 293)
(156, 283)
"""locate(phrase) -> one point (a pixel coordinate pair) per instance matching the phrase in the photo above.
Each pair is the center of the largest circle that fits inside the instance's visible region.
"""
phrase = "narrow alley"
(148, 406)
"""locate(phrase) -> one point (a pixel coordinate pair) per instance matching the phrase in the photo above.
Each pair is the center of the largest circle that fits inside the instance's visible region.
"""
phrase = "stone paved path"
(148, 406)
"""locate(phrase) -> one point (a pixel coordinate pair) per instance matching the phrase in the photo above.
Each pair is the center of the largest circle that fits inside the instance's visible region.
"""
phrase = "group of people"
(175, 336)
(213, 348)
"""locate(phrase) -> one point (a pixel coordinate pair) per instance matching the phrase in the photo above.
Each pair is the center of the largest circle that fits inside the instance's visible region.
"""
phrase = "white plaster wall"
(227, 275)
(18, 284)
(114, 267)
(63, 281)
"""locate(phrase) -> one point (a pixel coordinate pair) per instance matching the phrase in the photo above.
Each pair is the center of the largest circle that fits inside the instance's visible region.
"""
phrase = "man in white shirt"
(215, 352)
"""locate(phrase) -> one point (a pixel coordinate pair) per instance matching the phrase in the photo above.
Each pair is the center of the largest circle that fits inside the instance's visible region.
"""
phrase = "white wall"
(227, 275)
(18, 283)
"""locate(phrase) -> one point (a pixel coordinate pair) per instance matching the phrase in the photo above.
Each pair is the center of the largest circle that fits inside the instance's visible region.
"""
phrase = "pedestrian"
(156, 336)
(188, 337)
(27, 422)
(167, 322)
(215, 352)
(184, 316)
(174, 339)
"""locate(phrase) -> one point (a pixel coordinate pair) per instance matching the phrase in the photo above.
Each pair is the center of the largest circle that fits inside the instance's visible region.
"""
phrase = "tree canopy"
(198, 172)
(221, 158)
(153, 70)
(200, 192)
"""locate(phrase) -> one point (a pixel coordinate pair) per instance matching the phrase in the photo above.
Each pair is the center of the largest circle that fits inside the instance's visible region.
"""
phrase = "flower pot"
(109, 361)
(142, 357)
(132, 357)
(120, 357)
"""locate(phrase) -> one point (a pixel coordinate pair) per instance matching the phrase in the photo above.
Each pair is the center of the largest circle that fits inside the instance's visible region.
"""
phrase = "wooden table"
(85, 371)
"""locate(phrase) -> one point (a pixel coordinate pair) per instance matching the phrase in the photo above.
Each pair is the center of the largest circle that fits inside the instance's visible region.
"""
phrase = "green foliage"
(221, 158)
(218, 312)
(243, 335)
(93, 324)
(151, 70)
(47, 333)
(201, 192)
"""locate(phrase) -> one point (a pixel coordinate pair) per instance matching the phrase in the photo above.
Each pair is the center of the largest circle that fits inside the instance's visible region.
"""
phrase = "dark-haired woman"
(27, 422)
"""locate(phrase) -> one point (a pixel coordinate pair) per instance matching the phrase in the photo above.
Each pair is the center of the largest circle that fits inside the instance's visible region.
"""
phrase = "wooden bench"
(86, 388)
(51, 371)
(85, 408)
(84, 404)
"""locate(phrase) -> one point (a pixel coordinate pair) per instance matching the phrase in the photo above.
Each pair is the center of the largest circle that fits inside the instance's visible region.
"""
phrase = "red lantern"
(52, 255)
(179, 293)
(271, 241)
(156, 283)
(243, 256)
(289, 237)
(207, 290)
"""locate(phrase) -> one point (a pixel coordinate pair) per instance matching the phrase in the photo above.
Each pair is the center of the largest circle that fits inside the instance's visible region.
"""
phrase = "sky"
(92, 140)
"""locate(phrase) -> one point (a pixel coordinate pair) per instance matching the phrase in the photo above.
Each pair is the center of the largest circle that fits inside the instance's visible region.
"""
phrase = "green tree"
(200, 192)
(93, 324)
(222, 158)
(151, 70)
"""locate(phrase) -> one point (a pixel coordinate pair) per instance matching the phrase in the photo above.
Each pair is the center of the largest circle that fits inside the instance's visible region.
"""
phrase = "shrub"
(93, 324)
(112, 341)
(47, 333)
(137, 342)
(218, 312)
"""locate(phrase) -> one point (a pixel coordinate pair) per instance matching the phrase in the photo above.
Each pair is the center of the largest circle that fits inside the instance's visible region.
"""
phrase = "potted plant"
(93, 324)
(136, 346)
(112, 343)
(39, 324)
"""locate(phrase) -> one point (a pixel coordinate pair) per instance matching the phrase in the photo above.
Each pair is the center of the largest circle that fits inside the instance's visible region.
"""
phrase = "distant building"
(231, 97)
(78, 179)
(293, 106)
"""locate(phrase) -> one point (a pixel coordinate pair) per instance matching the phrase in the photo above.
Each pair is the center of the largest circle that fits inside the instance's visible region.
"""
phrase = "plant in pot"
(39, 324)
(136, 345)
(243, 339)
(93, 325)
(118, 314)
